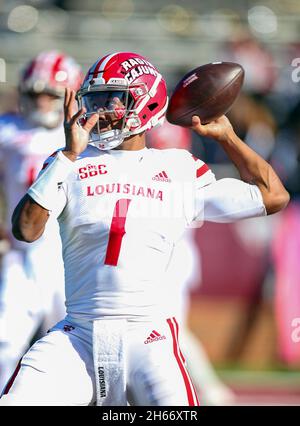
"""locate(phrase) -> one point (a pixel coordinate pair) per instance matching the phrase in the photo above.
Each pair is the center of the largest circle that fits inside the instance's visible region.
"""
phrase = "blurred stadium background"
(245, 308)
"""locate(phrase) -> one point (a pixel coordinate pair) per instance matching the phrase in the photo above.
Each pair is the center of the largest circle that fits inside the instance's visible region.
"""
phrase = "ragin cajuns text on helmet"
(128, 86)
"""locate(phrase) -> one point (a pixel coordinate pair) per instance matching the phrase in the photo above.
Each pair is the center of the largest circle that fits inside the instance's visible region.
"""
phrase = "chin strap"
(105, 145)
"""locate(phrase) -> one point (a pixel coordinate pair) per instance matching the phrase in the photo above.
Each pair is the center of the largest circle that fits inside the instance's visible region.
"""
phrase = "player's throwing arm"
(252, 167)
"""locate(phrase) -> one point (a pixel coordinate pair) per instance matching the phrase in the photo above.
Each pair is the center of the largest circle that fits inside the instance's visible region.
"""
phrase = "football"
(207, 91)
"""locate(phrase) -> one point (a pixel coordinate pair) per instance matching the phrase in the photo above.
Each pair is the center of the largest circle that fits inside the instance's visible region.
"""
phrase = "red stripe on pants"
(12, 379)
(182, 357)
(181, 365)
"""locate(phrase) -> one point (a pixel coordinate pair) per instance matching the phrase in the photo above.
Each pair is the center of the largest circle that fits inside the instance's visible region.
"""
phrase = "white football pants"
(60, 368)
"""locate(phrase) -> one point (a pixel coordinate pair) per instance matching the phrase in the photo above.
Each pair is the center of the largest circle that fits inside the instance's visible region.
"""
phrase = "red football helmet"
(49, 73)
(127, 88)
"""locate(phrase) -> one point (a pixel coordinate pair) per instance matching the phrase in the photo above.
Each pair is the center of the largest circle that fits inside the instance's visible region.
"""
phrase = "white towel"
(109, 362)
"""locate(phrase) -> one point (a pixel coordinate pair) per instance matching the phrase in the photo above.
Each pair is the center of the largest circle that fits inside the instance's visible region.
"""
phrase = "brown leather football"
(207, 91)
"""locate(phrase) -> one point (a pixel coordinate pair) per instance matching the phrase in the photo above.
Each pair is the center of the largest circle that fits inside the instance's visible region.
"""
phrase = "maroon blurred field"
(233, 315)
(264, 388)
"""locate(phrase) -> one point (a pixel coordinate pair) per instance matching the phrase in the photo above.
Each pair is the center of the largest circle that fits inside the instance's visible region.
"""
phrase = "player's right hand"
(218, 129)
(77, 137)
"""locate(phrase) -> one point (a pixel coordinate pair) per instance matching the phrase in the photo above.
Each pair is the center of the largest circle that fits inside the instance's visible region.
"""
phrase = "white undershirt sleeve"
(228, 200)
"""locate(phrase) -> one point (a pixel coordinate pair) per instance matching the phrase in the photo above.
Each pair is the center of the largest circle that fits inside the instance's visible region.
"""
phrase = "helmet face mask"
(113, 105)
(129, 95)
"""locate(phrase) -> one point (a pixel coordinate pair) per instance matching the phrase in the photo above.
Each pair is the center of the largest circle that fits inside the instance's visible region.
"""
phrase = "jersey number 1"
(116, 232)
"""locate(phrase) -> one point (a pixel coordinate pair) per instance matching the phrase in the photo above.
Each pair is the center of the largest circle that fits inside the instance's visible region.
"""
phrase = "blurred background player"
(32, 275)
(184, 272)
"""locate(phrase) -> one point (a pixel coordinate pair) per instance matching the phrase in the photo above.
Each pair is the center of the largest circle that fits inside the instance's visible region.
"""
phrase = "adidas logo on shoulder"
(161, 177)
(154, 337)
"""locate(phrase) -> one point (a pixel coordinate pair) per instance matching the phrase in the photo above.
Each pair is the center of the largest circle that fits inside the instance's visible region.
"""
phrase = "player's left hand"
(77, 137)
(218, 129)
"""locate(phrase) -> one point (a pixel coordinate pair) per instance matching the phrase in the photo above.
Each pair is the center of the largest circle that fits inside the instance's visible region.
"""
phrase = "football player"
(32, 282)
(121, 208)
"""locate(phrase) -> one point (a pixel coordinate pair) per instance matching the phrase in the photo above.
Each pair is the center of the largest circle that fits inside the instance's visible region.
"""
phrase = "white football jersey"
(120, 215)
